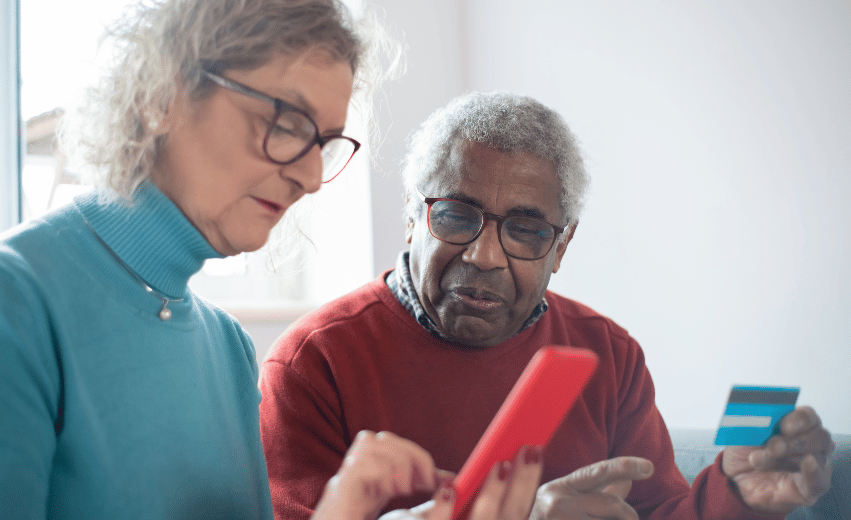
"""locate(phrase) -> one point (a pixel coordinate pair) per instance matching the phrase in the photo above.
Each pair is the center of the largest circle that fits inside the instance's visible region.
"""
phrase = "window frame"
(11, 137)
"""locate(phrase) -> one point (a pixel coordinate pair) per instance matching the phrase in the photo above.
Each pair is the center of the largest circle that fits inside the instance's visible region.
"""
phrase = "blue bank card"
(753, 414)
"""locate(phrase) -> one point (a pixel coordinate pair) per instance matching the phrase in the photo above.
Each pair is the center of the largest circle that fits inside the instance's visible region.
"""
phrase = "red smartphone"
(530, 414)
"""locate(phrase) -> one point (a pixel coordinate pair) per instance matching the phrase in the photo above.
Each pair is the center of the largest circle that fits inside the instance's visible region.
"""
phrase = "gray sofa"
(694, 450)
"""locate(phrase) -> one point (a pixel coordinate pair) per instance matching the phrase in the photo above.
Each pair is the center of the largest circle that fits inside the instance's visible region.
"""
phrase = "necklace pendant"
(165, 312)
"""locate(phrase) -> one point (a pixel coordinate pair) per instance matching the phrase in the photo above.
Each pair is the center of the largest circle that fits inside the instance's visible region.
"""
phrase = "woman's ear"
(160, 121)
(157, 121)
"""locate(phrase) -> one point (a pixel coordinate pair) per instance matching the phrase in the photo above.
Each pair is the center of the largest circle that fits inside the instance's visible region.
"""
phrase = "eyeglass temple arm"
(242, 89)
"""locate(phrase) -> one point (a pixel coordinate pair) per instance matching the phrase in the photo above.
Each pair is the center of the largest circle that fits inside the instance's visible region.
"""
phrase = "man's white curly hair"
(510, 123)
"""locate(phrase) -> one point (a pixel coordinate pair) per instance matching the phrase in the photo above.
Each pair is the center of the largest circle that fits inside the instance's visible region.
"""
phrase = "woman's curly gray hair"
(162, 45)
(512, 124)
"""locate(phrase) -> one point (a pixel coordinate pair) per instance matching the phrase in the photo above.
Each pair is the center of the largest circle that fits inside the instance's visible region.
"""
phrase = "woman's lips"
(269, 205)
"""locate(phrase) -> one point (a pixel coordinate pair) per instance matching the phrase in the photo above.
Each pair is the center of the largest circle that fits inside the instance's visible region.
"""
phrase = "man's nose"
(485, 252)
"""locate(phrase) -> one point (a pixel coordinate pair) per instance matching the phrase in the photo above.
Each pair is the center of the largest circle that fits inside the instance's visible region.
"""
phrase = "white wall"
(716, 135)
(433, 32)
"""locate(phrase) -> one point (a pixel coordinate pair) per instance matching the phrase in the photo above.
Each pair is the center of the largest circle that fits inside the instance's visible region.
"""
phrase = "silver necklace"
(165, 312)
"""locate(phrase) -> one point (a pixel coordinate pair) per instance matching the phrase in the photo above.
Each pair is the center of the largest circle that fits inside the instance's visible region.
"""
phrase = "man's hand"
(793, 468)
(595, 491)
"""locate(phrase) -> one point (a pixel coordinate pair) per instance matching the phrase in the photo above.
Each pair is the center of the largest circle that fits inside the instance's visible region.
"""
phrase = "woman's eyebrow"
(296, 98)
(301, 102)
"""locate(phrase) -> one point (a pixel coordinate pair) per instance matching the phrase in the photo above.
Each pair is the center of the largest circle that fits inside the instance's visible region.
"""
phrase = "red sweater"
(363, 362)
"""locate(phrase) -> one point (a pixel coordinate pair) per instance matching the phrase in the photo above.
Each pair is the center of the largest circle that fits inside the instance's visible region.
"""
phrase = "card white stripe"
(749, 421)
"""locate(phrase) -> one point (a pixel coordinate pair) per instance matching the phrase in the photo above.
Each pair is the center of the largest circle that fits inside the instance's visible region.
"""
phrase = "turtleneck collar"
(151, 235)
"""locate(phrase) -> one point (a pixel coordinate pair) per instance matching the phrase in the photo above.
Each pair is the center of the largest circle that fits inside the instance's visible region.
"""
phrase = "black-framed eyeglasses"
(459, 223)
(292, 133)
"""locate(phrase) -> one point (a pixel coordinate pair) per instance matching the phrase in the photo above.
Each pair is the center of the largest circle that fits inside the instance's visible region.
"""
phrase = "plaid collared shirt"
(402, 286)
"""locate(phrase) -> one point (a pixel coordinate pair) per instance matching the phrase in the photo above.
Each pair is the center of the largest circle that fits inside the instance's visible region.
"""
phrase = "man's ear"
(409, 229)
(561, 247)
(409, 222)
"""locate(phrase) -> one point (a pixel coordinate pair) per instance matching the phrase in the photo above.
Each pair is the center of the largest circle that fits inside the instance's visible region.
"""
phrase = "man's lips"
(268, 204)
(478, 298)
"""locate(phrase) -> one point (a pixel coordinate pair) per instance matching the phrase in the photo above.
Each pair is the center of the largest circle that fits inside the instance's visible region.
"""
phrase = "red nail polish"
(504, 470)
(533, 454)
(527, 454)
(446, 493)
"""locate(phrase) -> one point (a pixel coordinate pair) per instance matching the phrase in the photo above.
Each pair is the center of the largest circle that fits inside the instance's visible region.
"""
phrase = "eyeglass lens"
(336, 154)
(294, 133)
(459, 223)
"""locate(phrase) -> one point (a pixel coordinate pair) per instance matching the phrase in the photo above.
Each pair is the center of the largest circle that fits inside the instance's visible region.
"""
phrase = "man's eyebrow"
(526, 211)
(460, 197)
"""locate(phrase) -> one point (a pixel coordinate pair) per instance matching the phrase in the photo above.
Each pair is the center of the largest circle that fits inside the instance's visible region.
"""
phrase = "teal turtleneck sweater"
(107, 411)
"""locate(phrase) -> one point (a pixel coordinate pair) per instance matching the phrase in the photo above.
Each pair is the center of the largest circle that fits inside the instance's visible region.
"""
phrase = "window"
(9, 116)
(336, 259)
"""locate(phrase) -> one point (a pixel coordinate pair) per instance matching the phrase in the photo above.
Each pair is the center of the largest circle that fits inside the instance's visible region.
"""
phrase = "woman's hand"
(507, 493)
(381, 466)
(377, 467)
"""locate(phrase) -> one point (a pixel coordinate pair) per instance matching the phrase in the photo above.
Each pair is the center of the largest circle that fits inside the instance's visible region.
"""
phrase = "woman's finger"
(444, 502)
(521, 491)
(401, 465)
(488, 503)
(438, 508)
(376, 468)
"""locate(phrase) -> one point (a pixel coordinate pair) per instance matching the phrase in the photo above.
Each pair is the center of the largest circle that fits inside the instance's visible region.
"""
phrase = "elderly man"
(429, 350)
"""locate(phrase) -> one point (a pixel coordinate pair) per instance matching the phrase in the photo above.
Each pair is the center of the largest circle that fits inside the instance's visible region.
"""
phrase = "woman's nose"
(307, 171)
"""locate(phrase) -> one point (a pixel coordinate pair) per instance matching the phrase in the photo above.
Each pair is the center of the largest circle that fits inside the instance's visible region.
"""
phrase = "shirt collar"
(401, 284)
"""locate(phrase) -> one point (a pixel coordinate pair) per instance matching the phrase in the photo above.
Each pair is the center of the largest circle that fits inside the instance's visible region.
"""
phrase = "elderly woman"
(122, 393)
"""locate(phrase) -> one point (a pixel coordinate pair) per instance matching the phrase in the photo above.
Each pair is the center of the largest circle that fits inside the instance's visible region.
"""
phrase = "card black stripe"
(763, 396)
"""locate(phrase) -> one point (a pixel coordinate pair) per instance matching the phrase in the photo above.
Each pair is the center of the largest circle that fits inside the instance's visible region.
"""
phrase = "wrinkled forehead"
(480, 162)
(497, 180)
